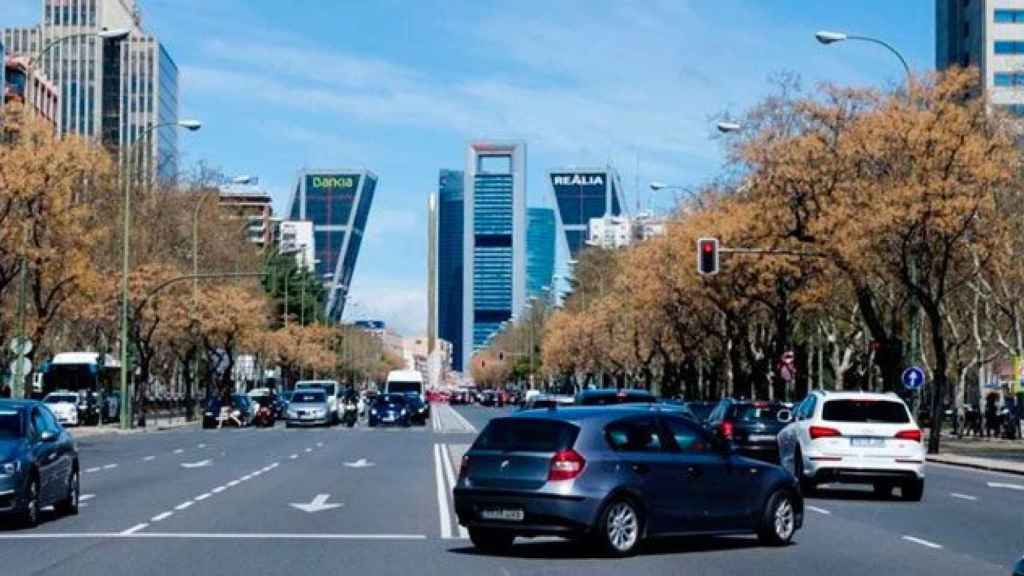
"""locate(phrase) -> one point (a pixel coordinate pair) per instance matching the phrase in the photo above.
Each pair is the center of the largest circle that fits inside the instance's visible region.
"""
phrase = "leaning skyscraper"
(581, 194)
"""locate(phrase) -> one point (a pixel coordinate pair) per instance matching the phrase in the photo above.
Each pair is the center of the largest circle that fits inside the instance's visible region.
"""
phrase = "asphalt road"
(373, 501)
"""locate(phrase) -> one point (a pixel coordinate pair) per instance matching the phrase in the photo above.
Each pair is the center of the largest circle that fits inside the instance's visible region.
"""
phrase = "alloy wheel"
(623, 527)
(784, 519)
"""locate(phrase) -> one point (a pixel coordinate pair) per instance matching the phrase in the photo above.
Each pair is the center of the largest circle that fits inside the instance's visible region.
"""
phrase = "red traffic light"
(707, 256)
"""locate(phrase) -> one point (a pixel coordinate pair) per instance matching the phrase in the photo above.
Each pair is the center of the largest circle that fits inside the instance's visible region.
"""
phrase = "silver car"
(308, 408)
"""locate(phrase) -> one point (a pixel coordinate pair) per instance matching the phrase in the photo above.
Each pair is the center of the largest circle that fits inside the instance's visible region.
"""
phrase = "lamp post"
(827, 37)
(191, 125)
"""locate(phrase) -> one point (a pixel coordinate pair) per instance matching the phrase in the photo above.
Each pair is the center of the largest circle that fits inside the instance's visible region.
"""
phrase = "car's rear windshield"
(393, 398)
(866, 411)
(10, 423)
(617, 398)
(300, 397)
(756, 412)
(400, 387)
(55, 398)
(527, 435)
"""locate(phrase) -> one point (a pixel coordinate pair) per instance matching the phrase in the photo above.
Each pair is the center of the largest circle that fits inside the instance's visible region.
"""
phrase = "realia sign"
(578, 180)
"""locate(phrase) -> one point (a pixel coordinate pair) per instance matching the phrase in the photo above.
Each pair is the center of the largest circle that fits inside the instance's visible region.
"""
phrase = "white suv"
(857, 438)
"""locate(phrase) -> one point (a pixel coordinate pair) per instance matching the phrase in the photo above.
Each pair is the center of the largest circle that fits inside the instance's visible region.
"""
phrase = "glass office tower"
(540, 251)
(494, 236)
(338, 203)
(581, 194)
(450, 216)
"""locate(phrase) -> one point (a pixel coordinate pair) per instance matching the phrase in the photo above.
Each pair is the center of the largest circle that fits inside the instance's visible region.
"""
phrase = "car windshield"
(865, 411)
(757, 412)
(393, 399)
(55, 398)
(302, 396)
(10, 423)
(526, 435)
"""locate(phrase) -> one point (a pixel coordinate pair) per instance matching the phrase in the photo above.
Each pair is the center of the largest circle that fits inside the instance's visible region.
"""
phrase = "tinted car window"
(527, 435)
(756, 412)
(10, 424)
(393, 398)
(49, 421)
(865, 411)
(686, 436)
(636, 435)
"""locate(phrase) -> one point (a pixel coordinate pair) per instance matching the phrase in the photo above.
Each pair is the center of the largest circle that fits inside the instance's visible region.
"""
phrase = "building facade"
(33, 90)
(296, 237)
(448, 302)
(540, 251)
(253, 204)
(111, 90)
(338, 203)
(988, 34)
(581, 194)
(494, 240)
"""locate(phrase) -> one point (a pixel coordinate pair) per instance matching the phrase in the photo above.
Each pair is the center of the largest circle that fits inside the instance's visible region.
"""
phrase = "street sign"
(21, 345)
(25, 369)
(913, 378)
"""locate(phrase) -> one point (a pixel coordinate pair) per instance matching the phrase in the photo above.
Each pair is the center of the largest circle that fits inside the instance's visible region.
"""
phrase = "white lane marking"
(203, 496)
(963, 496)
(201, 446)
(199, 464)
(161, 516)
(318, 504)
(179, 451)
(256, 473)
(246, 477)
(85, 497)
(818, 510)
(93, 469)
(442, 498)
(932, 545)
(205, 535)
(319, 444)
(1006, 485)
(183, 505)
(450, 475)
(148, 458)
(219, 489)
(294, 456)
(274, 465)
(361, 463)
(132, 530)
(232, 484)
(110, 466)
(309, 449)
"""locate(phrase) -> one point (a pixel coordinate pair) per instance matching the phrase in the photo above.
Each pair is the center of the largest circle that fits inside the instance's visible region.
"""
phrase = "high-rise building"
(448, 300)
(494, 236)
(110, 89)
(540, 251)
(988, 34)
(38, 93)
(252, 203)
(581, 194)
(338, 203)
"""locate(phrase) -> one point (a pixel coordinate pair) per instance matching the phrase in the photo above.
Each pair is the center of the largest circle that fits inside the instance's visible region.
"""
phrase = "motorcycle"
(264, 417)
(350, 414)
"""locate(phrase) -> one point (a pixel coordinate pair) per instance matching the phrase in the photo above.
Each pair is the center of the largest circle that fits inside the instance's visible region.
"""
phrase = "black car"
(38, 462)
(390, 409)
(418, 409)
(752, 426)
(609, 396)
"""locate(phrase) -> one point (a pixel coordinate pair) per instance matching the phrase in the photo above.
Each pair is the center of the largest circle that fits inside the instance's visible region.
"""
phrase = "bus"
(83, 371)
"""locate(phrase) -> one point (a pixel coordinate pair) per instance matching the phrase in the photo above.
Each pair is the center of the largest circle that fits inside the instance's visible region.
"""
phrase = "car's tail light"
(464, 467)
(725, 430)
(912, 435)
(823, 432)
(565, 465)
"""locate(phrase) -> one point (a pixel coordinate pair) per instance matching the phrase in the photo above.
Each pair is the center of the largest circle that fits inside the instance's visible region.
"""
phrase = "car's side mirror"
(785, 416)
(48, 436)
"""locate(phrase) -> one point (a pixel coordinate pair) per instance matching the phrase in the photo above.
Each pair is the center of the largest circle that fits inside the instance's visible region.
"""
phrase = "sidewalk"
(994, 454)
(152, 425)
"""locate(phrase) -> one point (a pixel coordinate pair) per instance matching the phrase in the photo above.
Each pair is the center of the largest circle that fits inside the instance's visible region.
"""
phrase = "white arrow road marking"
(818, 510)
(1005, 485)
(361, 463)
(932, 545)
(963, 496)
(317, 505)
(199, 464)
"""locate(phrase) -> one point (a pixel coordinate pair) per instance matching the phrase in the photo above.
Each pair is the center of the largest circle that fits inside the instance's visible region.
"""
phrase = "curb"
(975, 465)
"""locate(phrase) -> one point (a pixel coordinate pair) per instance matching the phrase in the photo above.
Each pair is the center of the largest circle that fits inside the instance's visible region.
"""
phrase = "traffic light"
(707, 256)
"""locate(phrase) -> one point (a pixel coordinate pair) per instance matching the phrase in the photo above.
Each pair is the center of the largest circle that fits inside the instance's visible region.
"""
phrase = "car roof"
(580, 413)
(858, 395)
(615, 391)
(13, 404)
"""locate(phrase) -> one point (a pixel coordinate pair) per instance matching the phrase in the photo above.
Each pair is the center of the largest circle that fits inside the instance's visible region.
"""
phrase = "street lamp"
(729, 127)
(191, 125)
(827, 37)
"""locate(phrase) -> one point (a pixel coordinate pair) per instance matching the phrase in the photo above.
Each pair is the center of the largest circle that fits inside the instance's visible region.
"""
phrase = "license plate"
(306, 416)
(389, 418)
(762, 437)
(506, 514)
(867, 442)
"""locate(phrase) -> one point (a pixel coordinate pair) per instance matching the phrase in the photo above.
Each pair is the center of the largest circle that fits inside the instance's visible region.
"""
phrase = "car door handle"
(694, 472)
(639, 468)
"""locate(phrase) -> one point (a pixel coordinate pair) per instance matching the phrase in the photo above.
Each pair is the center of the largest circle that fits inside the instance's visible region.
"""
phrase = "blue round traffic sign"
(913, 378)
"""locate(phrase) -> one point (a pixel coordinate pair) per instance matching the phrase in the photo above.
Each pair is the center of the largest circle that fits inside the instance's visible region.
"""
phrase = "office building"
(251, 203)
(612, 232)
(988, 34)
(296, 237)
(540, 251)
(494, 237)
(113, 89)
(337, 202)
(449, 277)
(581, 194)
(38, 93)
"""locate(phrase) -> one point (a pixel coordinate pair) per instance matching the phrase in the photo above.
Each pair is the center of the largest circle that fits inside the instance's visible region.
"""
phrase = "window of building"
(1009, 16)
(1007, 79)
(1009, 47)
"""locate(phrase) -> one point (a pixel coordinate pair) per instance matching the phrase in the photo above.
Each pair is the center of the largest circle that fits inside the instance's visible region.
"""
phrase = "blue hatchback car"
(617, 475)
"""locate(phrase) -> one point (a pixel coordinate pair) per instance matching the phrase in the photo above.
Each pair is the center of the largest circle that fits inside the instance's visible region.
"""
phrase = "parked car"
(64, 406)
(752, 426)
(855, 437)
(309, 407)
(616, 475)
(390, 409)
(39, 465)
(607, 396)
(419, 411)
(540, 401)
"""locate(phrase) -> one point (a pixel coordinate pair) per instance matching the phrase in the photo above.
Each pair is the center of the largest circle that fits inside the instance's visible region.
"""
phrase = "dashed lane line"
(161, 516)
(963, 496)
(134, 529)
(203, 496)
(294, 456)
(1006, 485)
(85, 497)
(148, 458)
(219, 489)
(184, 505)
(818, 510)
(179, 451)
(923, 542)
(110, 466)
(93, 469)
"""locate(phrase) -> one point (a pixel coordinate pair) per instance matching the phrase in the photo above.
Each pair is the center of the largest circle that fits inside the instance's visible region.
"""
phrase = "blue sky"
(400, 86)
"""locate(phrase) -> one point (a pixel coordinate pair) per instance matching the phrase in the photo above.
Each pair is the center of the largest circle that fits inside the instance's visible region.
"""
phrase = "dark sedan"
(419, 411)
(752, 426)
(390, 409)
(616, 475)
(38, 462)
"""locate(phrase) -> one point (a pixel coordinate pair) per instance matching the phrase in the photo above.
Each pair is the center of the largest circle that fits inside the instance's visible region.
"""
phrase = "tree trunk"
(939, 384)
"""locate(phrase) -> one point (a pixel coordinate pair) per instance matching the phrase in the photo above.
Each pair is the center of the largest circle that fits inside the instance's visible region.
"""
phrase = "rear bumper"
(860, 470)
(544, 514)
(318, 422)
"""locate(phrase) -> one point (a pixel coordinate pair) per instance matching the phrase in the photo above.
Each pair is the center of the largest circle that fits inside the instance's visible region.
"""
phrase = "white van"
(402, 381)
(331, 388)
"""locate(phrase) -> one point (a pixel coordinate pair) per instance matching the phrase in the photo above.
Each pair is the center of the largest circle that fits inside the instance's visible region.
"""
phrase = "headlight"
(422, 409)
(9, 468)
(403, 412)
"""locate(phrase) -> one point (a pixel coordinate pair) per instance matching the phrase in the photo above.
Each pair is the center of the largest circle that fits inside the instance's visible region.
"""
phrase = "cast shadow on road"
(46, 516)
(852, 494)
(569, 549)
